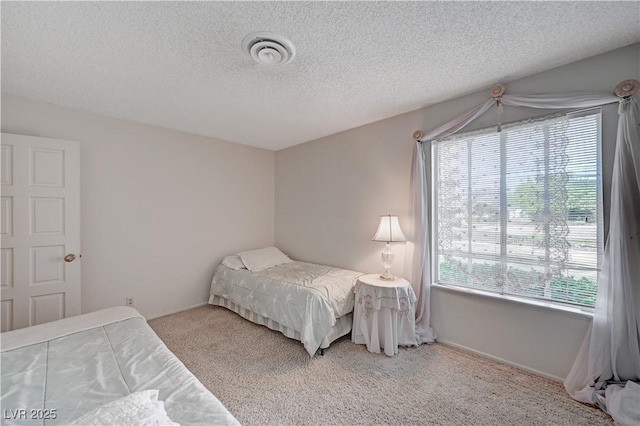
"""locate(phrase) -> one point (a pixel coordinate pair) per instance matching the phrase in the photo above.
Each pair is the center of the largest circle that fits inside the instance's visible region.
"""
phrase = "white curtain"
(610, 354)
(418, 252)
(560, 100)
(418, 246)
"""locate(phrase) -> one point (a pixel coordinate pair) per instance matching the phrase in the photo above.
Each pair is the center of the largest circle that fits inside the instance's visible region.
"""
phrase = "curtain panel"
(608, 364)
(418, 253)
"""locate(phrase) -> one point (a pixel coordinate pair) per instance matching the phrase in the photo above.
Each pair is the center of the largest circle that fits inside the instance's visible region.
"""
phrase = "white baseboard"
(197, 305)
(502, 361)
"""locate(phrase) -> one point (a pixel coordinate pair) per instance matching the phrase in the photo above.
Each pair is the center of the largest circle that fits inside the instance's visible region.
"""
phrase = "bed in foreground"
(106, 367)
(304, 301)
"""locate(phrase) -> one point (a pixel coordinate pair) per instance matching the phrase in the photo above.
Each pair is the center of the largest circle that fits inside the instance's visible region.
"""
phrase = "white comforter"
(301, 296)
(60, 371)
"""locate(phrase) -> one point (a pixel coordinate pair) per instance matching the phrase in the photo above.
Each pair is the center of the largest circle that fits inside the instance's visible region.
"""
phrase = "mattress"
(68, 368)
(304, 297)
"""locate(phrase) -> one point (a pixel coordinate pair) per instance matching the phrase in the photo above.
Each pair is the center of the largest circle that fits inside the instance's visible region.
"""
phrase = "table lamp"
(388, 231)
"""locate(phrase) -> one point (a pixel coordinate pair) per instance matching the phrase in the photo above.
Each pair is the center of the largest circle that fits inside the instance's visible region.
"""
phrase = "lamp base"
(387, 263)
(386, 276)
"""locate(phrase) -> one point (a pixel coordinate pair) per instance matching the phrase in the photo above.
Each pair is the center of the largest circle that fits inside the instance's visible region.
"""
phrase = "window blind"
(519, 212)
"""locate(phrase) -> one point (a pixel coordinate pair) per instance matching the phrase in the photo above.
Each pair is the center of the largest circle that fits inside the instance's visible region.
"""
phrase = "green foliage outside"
(581, 291)
(581, 199)
(483, 212)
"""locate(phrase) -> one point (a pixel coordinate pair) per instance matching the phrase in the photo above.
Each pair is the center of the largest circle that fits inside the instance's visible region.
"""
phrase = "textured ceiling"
(180, 65)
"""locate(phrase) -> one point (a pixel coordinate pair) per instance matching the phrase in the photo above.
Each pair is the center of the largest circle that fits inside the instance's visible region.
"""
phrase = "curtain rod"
(623, 90)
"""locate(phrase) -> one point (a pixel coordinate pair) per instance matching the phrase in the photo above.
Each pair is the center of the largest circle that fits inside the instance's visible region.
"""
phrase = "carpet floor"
(264, 378)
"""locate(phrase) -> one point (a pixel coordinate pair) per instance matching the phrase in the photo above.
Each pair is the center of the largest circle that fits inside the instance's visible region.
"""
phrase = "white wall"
(330, 192)
(159, 208)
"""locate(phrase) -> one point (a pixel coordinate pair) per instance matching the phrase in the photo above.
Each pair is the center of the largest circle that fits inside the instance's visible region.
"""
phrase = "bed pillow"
(138, 408)
(233, 262)
(257, 260)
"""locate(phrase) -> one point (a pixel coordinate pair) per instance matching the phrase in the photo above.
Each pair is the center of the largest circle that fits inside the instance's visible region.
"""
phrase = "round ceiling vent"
(268, 48)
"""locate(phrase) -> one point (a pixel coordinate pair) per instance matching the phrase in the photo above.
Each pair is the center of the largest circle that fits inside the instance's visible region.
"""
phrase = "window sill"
(556, 307)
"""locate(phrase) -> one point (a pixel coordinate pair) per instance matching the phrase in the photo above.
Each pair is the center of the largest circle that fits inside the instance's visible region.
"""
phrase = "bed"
(305, 301)
(106, 367)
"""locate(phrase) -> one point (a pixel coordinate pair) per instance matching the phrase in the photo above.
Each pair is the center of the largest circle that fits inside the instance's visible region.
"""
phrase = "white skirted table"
(384, 314)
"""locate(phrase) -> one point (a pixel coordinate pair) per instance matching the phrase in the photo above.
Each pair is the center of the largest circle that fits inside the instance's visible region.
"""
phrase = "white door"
(40, 268)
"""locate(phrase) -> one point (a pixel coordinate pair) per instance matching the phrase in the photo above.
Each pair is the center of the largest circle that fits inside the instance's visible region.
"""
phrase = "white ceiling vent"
(268, 48)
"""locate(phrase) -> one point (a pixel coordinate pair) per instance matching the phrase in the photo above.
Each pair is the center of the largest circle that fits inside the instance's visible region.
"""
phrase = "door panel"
(40, 214)
(6, 321)
(47, 216)
(6, 165)
(47, 167)
(6, 210)
(6, 268)
(47, 265)
(45, 308)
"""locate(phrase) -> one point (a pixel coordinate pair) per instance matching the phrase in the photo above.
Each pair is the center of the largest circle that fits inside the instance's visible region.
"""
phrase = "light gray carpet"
(264, 378)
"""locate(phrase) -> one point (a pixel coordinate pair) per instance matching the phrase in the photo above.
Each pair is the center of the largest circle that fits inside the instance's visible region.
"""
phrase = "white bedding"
(302, 296)
(138, 408)
(78, 364)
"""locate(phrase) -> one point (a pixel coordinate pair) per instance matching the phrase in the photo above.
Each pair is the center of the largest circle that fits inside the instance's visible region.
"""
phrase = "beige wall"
(330, 193)
(159, 208)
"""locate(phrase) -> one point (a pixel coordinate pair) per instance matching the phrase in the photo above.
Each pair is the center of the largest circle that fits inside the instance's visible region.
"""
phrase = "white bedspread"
(78, 364)
(302, 296)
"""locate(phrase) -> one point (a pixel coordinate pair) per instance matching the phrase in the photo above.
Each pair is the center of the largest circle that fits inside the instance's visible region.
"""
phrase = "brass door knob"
(70, 257)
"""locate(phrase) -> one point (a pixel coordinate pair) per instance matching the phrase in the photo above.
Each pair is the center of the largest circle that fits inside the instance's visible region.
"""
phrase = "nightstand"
(384, 314)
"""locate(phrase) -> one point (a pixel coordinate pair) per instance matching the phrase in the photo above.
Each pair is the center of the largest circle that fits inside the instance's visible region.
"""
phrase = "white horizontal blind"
(519, 212)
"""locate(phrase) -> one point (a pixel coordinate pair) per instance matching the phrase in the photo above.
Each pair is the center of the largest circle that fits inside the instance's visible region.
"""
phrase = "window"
(519, 212)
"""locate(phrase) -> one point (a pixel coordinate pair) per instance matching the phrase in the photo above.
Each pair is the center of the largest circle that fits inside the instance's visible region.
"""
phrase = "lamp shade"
(389, 230)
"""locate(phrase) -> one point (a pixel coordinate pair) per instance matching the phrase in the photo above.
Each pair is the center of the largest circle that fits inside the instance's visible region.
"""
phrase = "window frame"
(558, 305)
